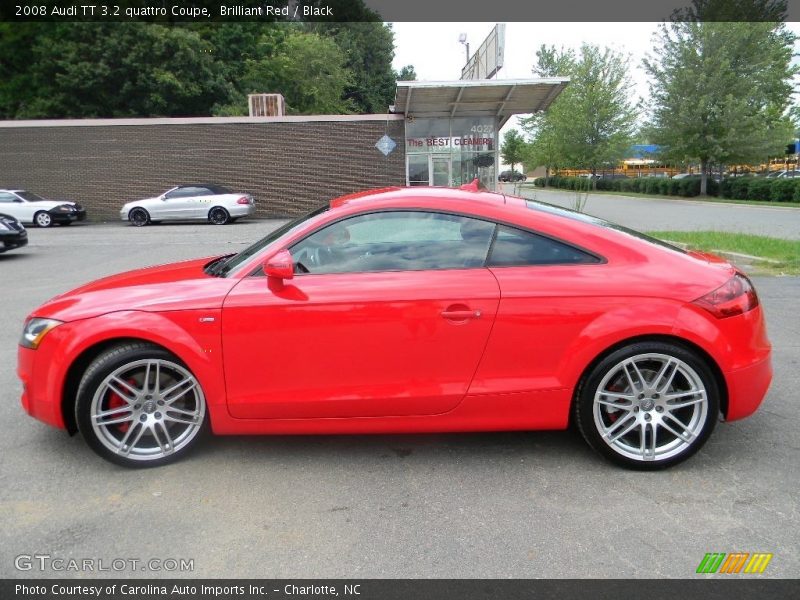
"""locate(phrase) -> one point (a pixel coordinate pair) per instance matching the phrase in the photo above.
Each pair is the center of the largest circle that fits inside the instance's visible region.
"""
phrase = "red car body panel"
(372, 352)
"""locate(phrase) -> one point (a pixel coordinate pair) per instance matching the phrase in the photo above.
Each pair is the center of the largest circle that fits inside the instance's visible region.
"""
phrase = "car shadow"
(543, 446)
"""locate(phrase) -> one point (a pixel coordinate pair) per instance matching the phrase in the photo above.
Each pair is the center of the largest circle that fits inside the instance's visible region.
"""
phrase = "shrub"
(783, 190)
(759, 189)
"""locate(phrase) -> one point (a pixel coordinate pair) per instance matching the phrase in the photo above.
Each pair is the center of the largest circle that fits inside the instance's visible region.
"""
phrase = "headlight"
(35, 330)
(65, 208)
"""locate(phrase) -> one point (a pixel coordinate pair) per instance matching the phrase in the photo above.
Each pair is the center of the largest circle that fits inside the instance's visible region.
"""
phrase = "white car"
(28, 207)
(212, 203)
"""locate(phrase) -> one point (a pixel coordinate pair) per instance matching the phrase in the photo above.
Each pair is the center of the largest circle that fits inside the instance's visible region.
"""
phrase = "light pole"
(462, 38)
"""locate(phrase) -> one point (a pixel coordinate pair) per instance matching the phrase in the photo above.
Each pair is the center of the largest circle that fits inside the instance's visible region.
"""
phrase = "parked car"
(206, 202)
(12, 233)
(31, 208)
(408, 310)
(684, 175)
(783, 174)
(511, 176)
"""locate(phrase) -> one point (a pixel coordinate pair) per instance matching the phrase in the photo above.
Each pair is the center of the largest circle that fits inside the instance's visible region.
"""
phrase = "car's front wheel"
(648, 405)
(42, 219)
(139, 217)
(139, 406)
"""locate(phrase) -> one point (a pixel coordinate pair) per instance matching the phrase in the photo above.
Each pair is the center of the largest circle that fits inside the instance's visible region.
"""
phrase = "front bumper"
(13, 239)
(39, 398)
(67, 217)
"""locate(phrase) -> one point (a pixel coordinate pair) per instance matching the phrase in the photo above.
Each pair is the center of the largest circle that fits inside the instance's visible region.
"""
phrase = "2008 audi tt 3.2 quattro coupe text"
(408, 310)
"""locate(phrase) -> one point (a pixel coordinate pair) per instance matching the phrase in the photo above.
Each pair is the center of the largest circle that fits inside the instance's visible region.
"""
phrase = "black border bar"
(205, 11)
(717, 588)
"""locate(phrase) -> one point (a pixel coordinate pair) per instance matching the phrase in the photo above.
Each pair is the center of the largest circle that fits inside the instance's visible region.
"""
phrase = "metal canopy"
(479, 98)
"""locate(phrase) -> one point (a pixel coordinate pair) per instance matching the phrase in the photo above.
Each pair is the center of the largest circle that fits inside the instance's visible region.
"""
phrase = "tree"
(590, 125)
(721, 91)
(368, 48)
(513, 149)
(119, 70)
(308, 69)
(407, 73)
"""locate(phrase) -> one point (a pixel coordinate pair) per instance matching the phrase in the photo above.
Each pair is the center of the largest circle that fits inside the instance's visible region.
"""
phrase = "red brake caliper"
(115, 401)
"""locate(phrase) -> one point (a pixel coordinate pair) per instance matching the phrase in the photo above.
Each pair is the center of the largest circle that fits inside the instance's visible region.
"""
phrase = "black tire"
(219, 216)
(147, 413)
(42, 219)
(139, 217)
(634, 387)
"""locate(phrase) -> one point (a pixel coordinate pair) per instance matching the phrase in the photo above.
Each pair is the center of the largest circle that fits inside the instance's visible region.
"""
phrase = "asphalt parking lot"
(659, 214)
(467, 505)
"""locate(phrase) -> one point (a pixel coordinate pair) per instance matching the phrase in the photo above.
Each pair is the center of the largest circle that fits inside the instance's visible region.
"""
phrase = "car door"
(388, 314)
(201, 202)
(551, 291)
(180, 203)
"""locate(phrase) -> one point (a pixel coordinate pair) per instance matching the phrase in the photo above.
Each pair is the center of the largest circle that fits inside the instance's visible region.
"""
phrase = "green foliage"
(407, 73)
(117, 70)
(721, 90)
(590, 125)
(368, 50)
(513, 149)
(59, 70)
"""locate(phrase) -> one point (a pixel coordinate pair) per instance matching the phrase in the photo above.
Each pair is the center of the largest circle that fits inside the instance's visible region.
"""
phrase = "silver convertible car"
(206, 202)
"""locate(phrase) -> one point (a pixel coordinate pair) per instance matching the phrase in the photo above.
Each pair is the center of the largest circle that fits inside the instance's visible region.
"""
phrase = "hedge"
(735, 188)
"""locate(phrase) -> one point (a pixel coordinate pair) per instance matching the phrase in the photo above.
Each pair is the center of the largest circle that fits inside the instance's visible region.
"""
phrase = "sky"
(436, 54)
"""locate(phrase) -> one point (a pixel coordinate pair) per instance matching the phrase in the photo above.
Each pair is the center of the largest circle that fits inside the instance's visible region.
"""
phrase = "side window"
(187, 192)
(395, 241)
(5, 197)
(514, 247)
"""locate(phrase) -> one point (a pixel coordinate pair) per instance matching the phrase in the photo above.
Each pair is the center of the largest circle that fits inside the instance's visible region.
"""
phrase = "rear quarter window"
(516, 248)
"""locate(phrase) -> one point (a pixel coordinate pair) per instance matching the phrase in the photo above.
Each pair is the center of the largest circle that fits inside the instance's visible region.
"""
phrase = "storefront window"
(451, 152)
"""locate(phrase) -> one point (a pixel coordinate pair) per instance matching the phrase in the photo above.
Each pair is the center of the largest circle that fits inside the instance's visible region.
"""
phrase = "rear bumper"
(242, 210)
(747, 388)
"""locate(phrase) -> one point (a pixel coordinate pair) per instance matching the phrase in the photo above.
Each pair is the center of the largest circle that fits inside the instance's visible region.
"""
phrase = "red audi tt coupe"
(408, 310)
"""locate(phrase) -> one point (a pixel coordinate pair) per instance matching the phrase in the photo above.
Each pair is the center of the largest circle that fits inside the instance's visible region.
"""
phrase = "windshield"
(243, 256)
(30, 196)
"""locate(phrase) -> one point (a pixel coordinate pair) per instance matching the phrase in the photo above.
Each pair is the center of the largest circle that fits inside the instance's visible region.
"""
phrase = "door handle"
(460, 314)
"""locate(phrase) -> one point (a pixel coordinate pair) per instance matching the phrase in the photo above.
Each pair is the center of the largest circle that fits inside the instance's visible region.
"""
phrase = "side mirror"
(280, 265)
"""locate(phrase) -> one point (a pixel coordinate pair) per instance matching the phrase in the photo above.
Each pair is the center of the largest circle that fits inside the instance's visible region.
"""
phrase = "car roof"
(417, 192)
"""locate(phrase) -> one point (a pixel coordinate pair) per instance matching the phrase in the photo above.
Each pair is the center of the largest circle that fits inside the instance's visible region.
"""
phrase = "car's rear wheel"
(648, 405)
(218, 215)
(139, 217)
(139, 406)
(42, 219)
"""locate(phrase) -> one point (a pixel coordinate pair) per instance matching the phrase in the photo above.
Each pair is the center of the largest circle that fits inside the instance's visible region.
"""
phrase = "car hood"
(176, 286)
(49, 204)
(142, 202)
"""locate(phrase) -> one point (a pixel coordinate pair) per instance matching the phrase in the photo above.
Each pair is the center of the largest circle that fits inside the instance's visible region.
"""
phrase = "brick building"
(446, 133)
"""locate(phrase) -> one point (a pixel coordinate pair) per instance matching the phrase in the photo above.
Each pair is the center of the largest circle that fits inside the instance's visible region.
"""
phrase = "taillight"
(243, 200)
(734, 297)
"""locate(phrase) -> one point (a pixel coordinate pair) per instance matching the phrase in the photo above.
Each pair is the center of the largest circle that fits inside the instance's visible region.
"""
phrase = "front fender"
(194, 341)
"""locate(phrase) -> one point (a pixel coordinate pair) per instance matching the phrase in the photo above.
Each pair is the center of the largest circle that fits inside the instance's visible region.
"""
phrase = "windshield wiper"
(214, 268)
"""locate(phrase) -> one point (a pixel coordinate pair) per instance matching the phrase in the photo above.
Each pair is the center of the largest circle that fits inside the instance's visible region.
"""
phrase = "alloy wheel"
(147, 409)
(650, 407)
